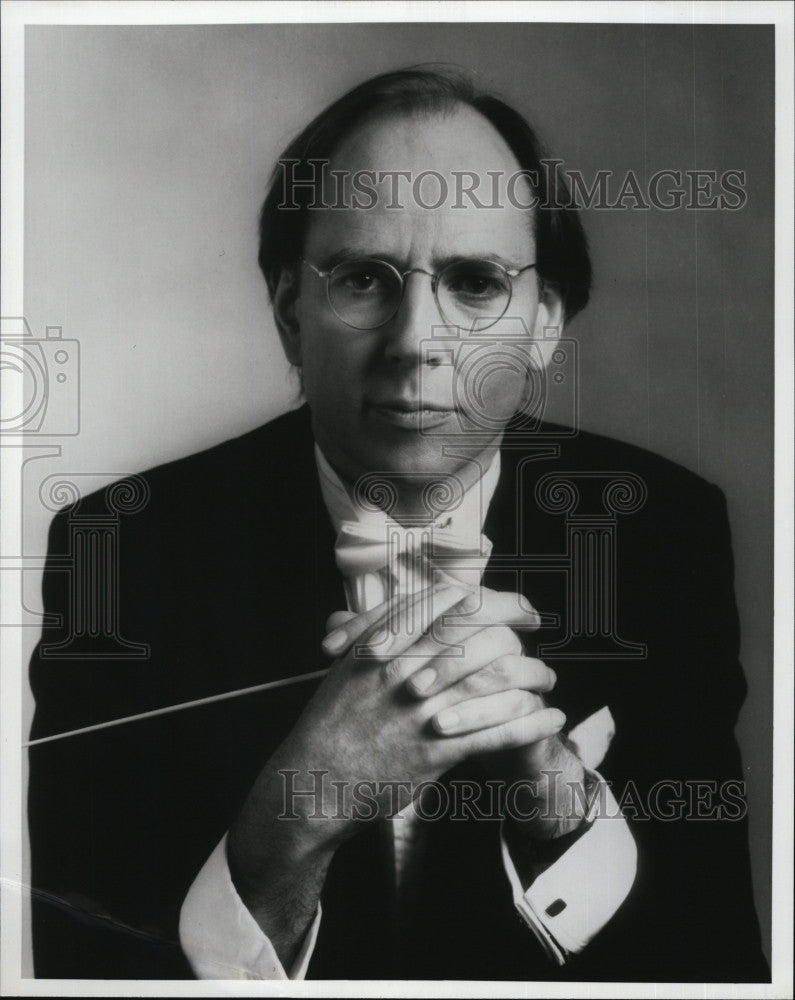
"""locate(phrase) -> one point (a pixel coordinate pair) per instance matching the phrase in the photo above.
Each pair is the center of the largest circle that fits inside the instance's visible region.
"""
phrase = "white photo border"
(16, 14)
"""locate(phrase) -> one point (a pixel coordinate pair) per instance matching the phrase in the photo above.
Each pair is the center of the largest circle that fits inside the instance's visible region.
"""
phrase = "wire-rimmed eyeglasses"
(365, 294)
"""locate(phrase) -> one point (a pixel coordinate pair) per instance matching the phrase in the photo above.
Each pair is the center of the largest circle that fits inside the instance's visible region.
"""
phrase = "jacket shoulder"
(667, 482)
(259, 463)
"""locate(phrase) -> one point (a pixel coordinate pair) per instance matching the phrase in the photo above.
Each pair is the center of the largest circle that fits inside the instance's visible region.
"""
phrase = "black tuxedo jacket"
(227, 575)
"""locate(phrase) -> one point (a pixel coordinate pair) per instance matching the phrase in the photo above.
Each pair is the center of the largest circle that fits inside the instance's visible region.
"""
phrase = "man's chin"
(423, 460)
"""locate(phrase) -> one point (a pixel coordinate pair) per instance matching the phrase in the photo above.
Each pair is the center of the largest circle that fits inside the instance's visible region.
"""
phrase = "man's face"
(388, 399)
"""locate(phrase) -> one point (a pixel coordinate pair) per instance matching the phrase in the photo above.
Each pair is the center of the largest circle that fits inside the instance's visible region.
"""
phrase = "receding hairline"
(349, 161)
(451, 108)
(425, 89)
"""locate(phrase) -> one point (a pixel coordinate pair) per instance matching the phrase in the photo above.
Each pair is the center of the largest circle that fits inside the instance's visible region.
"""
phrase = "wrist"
(532, 855)
(278, 873)
(273, 838)
(556, 803)
(265, 857)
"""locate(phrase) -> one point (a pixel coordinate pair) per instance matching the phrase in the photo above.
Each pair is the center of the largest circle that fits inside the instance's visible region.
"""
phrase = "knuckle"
(467, 602)
(473, 600)
(426, 752)
(537, 702)
(478, 682)
(531, 703)
(450, 619)
(438, 633)
(503, 669)
(523, 702)
(374, 654)
(374, 646)
(504, 734)
(393, 671)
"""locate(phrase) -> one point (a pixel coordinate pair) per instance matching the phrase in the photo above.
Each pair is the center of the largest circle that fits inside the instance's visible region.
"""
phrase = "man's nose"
(409, 333)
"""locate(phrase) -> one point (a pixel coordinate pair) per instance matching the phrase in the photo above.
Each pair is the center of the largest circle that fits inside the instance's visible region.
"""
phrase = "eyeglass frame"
(510, 272)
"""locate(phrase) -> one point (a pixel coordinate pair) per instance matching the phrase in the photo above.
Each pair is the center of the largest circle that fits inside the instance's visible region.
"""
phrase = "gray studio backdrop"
(147, 153)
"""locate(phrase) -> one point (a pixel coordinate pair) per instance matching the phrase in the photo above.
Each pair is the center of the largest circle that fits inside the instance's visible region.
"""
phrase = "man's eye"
(360, 281)
(475, 286)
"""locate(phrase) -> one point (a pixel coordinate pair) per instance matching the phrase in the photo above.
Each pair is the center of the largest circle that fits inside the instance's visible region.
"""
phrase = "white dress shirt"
(565, 906)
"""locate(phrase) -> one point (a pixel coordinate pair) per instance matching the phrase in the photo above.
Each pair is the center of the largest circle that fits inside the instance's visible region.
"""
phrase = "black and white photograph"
(397, 507)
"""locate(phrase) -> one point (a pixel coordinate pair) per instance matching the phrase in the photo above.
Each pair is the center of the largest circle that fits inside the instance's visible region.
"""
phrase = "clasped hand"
(419, 684)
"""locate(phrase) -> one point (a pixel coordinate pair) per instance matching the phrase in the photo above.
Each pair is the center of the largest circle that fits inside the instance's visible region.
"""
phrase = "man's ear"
(285, 296)
(549, 321)
(550, 315)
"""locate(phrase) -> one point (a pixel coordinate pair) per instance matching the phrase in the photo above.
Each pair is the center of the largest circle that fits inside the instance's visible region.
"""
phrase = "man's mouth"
(411, 413)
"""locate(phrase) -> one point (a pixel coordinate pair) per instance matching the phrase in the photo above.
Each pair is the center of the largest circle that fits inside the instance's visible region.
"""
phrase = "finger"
(486, 712)
(481, 611)
(405, 624)
(434, 665)
(518, 732)
(484, 607)
(503, 607)
(344, 633)
(508, 608)
(501, 673)
(339, 618)
(389, 616)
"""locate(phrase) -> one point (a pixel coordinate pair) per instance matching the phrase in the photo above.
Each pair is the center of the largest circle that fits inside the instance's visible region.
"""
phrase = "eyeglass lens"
(365, 294)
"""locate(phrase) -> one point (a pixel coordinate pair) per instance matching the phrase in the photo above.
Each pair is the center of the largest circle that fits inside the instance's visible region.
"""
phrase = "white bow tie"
(409, 555)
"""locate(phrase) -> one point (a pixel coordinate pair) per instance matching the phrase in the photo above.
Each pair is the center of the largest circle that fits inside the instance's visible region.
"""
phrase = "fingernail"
(423, 679)
(447, 719)
(558, 719)
(553, 677)
(335, 640)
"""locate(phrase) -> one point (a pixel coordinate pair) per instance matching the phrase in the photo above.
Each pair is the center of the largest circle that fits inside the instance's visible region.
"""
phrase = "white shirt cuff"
(570, 902)
(220, 937)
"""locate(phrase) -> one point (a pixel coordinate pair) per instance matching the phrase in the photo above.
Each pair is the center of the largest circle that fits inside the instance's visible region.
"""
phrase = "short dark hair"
(562, 246)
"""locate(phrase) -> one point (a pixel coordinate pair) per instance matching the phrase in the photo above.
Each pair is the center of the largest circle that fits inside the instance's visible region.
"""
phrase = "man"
(285, 830)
